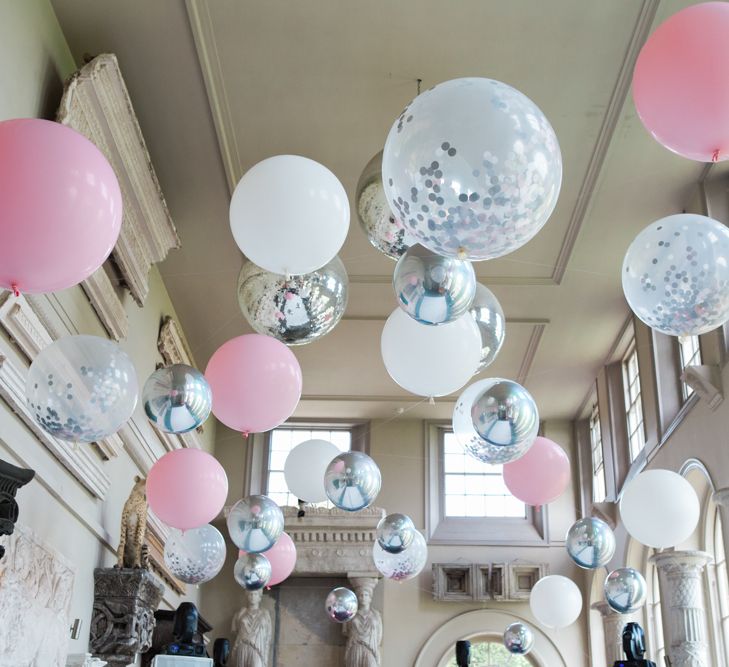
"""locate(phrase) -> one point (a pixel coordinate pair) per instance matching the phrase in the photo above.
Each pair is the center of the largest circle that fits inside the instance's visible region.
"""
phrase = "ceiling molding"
(372, 279)
(531, 352)
(350, 398)
(531, 321)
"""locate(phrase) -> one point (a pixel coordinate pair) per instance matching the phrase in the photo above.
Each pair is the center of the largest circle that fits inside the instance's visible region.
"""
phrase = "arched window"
(490, 652)
(656, 644)
(719, 587)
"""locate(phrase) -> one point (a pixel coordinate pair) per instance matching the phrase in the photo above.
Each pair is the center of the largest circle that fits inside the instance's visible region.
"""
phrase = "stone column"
(683, 603)
(612, 624)
(721, 498)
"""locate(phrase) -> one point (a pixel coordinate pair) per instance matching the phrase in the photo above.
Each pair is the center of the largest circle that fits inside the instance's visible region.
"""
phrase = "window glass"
(656, 644)
(598, 463)
(722, 580)
(633, 404)
(690, 354)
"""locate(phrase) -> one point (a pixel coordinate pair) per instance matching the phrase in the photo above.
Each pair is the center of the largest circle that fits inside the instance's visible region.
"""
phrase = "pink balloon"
(187, 488)
(282, 557)
(60, 206)
(680, 82)
(541, 475)
(256, 383)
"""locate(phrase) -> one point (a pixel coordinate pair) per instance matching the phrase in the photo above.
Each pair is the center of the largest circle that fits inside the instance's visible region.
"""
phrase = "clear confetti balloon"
(496, 420)
(255, 523)
(486, 311)
(195, 555)
(383, 229)
(177, 399)
(404, 565)
(341, 605)
(676, 275)
(352, 481)
(81, 388)
(298, 309)
(395, 532)
(590, 543)
(518, 639)
(472, 168)
(252, 571)
(433, 289)
(625, 590)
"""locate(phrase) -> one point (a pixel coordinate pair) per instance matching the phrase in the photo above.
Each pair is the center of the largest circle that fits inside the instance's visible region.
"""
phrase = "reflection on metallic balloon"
(486, 311)
(590, 543)
(177, 399)
(352, 481)
(341, 605)
(195, 555)
(625, 590)
(395, 532)
(255, 523)
(252, 571)
(518, 639)
(404, 565)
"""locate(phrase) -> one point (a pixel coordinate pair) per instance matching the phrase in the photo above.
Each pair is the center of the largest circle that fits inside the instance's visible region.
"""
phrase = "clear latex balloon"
(590, 543)
(305, 468)
(555, 601)
(177, 399)
(341, 605)
(472, 168)
(252, 571)
(404, 565)
(196, 555)
(676, 275)
(496, 420)
(255, 523)
(352, 481)
(486, 311)
(518, 639)
(395, 532)
(433, 289)
(298, 309)
(625, 590)
(81, 388)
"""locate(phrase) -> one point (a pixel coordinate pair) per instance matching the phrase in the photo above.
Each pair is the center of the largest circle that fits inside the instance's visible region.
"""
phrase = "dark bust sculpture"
(634, 647)
(187, 640)
(463, 653)
(11, 479)
(221, 651)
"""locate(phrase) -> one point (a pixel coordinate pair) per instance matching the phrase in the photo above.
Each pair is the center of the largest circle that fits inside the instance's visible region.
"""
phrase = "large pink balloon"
(282, 557)
(680, 82)
(256, 383)
(187, 488)
(60, 206)
(541, 475)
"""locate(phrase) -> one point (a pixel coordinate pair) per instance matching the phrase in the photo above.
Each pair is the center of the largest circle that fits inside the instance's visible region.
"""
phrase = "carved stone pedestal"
(122, 622)
(11, 479)
(612, 624)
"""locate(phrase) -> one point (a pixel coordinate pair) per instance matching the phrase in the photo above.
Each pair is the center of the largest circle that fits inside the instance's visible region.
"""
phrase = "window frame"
(654, 613)
(694, 360)
(630, 403)
(718, 586)
(593, 420)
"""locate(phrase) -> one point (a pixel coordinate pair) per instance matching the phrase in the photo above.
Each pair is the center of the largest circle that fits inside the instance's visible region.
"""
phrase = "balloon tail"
(246, 434)
(715, 156)
(462, 254)
(14, 287)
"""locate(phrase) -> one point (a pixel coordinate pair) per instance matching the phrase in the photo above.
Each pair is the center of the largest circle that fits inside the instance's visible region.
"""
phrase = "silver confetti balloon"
(625, 590)
(590, 543)
(486, 311)
(496, 420)
(195, 555)
(395, 532)
(352, 481)
(518, 639)
(405, 565)
(341, 605)
(383, 229)
(295, 310)
(177, 399)
(252, 571)
(433, 289)
(255, 523)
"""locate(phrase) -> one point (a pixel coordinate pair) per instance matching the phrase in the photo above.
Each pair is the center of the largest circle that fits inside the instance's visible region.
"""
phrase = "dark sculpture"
(187, 640)
(221, 651)
(634, 647)
(11, 479)
(463, 653)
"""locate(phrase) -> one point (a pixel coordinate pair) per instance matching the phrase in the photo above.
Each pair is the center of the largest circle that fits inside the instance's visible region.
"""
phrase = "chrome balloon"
(352, 481)
(177, 399)
(625, 590)
(496, 420)
(252, 571)
(489, 316)
(395, 532)
(295, 310)
(341, 605)
(590, 543)
(383, 229)
(255, 523)
(518, 639)
(196, 555)
(404, 565)
(433, 289)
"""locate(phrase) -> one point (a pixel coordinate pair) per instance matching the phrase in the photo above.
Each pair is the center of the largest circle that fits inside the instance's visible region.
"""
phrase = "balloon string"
(15, 289)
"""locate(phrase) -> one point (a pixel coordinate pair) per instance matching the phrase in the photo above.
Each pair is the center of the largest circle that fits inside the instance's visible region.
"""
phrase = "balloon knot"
(715, 156)
(462, 254)
(246, 434)
(15, 289)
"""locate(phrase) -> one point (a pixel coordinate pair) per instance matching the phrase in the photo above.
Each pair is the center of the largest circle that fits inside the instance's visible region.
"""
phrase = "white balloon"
(555, 601)
(289, 215)
(430, 361)
(659, 508)
(305, 467)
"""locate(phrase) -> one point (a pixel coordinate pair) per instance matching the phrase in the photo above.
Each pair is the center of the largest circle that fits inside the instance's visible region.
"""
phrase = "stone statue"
(252, 631)
(131, 551)
(364, 631)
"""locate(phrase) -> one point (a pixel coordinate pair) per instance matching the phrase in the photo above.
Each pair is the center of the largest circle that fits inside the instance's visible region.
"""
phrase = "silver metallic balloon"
(252, 571)
(590, 543)
(433, 289)
(341, 605)
(195, 555)
(177, 399)
(383, 229)
(395, 532)
(489, 316)
(295, 310)
(255, 523)
(496, 420)
(405, 565)
(625, 590)
(352, 481)
(518, 639)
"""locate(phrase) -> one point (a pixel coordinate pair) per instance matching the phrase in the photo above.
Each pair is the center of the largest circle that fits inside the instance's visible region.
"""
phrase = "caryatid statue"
(364, 631)
(252, 631)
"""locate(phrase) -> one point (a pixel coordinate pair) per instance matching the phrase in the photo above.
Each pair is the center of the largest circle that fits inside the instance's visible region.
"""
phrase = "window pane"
(454, 463)
(277, 459)
(455, 484)
(455, 505)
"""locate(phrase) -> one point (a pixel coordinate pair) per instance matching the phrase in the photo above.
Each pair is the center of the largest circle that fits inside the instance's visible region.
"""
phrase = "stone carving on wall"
(252, 631)
(84, 660)
(364, 631)
(463, 582)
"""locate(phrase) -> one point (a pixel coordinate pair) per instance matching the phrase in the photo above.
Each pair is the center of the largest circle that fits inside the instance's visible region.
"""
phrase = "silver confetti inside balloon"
(433, 289)
(81, 388)
(496, 420)
(255, 523)
(404, 565)
(486, 311)
(590, 543)
(195, 555)
(395, 532)
(625, 590)
(177, 399)
(383, 229)
(252, 571)
(341, 605)
(518, 639)
(352, 481)
(295, 310)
